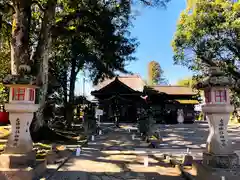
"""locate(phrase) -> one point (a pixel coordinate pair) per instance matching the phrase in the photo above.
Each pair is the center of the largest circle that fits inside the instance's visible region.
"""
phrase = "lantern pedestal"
(208, 173)
(219, 160)
(219, 147)
(20, 116)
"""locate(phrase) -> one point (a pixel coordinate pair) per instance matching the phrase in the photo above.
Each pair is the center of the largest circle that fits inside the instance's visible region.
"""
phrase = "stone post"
(219, 153)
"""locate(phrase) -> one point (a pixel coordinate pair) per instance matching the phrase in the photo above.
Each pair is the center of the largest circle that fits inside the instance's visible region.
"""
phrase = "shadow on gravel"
(111, 156)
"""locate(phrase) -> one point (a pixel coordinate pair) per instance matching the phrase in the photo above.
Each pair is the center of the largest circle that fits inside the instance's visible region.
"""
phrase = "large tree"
(155, 74)
(209, 35)
(29, 25)
(101, 47)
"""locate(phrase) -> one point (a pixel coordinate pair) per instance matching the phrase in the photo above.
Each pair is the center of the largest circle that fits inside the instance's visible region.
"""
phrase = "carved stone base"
(29, 173)
(17, 160)
(228, 161)
(204, 172)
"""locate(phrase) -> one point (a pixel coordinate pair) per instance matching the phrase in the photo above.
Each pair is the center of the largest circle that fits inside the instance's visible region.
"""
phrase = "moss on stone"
(4, 133)
(17, 79)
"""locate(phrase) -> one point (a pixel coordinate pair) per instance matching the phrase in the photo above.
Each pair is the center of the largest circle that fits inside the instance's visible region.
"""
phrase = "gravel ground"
(112, 157)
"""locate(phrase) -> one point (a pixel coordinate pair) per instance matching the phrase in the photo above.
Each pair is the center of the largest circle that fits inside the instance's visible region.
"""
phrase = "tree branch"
(161, 3)
(39, 5)
(44, 34)
(6, 7)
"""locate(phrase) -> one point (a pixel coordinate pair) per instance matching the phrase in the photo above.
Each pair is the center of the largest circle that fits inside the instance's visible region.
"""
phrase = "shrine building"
(125, 95)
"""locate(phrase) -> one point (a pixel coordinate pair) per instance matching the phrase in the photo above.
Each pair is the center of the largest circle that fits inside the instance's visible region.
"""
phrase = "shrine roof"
(135, 82)
(174, 90)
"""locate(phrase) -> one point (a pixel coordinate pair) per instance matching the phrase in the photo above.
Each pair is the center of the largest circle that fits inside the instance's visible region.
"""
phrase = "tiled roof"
(174, 90)
(135, 82)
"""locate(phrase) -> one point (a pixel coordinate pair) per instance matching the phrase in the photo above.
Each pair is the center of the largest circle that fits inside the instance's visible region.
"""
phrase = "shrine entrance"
(132, 113)
(118, 107)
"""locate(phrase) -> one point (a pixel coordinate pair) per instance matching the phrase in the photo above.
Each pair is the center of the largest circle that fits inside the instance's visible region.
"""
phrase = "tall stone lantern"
(19, 153)
(219, 154)
(21, 107)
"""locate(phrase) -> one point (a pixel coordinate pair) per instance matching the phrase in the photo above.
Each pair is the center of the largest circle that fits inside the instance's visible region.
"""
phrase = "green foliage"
(208, 35)
(4, 60)
(189, 82)
(3, 94)
(90, 36)
(4, 69)
(99, 40)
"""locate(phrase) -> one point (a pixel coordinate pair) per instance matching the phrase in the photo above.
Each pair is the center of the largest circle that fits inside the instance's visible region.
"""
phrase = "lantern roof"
(216, 78)
(20, 79)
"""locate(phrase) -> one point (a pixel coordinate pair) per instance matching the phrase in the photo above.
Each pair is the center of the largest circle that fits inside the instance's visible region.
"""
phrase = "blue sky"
(154, 29)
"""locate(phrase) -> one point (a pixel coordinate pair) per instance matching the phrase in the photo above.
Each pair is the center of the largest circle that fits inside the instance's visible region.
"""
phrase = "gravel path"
(193, 136)
(112, 157)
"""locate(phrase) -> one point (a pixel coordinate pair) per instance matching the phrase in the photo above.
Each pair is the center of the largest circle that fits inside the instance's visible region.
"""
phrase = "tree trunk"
(41, 58)
(65, 93)
(13, 64)
(73, 77)
(20, 34)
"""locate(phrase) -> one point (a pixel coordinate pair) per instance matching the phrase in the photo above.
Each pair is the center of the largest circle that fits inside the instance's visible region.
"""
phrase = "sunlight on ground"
(125, 158)
(157, 169)
(118, 152)
(134, 162)
(175, 135)
(94, 166)
(115, 161)
(180, 142)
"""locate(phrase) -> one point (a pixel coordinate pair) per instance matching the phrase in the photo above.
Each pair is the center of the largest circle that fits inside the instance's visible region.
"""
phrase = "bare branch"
(155, 3)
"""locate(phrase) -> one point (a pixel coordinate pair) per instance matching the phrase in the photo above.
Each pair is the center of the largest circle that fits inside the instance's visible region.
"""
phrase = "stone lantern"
(21, 107)
(219, 153)
(19, 153)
